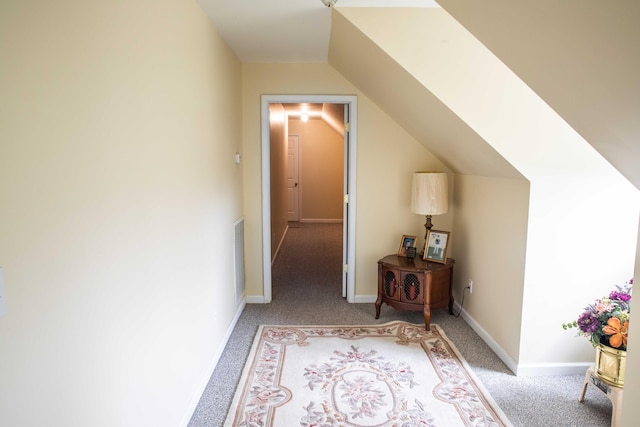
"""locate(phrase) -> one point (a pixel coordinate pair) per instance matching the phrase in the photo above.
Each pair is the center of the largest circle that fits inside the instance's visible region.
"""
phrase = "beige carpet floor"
(307, 291)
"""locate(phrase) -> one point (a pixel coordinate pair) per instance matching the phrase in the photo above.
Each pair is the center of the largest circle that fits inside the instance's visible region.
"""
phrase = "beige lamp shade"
(429, 193)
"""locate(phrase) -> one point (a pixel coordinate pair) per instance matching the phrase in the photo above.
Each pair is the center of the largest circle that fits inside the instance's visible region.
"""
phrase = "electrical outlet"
(470, 286)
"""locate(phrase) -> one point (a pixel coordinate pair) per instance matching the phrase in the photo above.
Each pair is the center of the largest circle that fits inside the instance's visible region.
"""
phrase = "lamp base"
(427, 227)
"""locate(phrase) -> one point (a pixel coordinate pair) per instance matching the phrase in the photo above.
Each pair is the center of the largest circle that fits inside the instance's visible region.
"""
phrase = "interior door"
(293, 178)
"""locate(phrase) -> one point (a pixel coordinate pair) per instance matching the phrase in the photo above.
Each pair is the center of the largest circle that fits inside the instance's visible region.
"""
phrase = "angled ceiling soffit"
(411, 104)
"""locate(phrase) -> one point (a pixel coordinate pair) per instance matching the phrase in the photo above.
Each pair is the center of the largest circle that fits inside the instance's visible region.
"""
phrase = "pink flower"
(604, 307)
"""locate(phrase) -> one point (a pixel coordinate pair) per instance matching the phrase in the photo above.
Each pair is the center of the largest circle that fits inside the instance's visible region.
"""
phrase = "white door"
(293, 174)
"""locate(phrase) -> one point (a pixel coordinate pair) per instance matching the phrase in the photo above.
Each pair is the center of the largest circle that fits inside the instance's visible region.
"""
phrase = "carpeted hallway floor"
(307, 290)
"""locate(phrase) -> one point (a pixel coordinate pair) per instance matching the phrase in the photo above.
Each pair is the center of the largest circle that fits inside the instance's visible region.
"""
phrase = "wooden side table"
(415, 285)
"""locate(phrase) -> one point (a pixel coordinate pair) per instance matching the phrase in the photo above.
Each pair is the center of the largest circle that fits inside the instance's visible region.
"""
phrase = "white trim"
(523, 369)
(197, 396)
(351, 206)
(552, 369)
(266, 196)
(256, 299)
(365, 299)
(265, 100)
(499, 351)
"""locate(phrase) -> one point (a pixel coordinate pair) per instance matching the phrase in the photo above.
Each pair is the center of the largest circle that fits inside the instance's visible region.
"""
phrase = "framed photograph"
(436, 247)
(406, 242)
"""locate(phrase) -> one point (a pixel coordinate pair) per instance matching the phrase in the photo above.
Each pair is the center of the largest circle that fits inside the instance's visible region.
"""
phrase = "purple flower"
(620, 296)
(588, 323)
(595, 320)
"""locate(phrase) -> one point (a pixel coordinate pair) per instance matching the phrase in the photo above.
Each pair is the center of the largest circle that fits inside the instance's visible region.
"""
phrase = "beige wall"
(321, 170)
(490, 228)
(564, 267)
(387, 156)
(118, 191)
(517, 126)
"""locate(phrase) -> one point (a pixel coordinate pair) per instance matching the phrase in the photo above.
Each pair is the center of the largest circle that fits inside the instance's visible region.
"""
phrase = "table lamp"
(429, 196)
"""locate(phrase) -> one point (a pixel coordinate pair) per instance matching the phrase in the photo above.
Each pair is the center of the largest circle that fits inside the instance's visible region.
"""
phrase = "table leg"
(427, 317)
(586, 383)
(616, 414)
(451, 290)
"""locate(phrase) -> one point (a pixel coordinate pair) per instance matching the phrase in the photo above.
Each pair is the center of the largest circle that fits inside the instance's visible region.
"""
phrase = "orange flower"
(618, 332)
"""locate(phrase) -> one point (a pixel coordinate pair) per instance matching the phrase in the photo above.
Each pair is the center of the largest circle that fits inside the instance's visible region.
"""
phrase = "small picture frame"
(436, 247)
(406, 242)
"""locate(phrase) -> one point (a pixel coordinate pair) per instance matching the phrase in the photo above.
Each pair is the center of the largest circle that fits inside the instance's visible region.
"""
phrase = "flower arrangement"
(606, 321)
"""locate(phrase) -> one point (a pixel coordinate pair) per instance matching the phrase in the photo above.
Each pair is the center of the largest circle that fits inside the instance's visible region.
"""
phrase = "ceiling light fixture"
(329, 3)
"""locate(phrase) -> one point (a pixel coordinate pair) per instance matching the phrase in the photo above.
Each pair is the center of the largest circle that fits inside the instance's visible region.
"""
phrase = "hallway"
(309, 264)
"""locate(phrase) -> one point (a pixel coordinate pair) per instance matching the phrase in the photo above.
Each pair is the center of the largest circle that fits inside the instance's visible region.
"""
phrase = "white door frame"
(352, 102)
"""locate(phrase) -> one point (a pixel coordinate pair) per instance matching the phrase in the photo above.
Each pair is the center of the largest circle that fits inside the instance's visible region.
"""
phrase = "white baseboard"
(365, 299)
(255, 299)
(212, 366)
(499, 351)
(551, 369)
(523, 369)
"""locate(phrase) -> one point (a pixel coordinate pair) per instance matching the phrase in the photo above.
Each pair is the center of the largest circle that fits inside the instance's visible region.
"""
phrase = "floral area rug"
(394, 374)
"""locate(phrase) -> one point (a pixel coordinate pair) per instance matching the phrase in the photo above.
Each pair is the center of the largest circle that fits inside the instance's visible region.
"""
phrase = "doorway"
(350, 139)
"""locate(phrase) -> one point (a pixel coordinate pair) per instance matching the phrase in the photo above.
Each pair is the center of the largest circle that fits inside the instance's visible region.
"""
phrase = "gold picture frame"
(406, 242)
(436, 248)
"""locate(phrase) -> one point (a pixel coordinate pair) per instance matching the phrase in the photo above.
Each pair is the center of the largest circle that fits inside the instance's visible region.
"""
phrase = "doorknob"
(296, 184)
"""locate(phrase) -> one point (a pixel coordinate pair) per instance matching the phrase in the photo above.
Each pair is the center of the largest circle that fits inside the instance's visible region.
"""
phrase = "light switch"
(3, 302)
(238, 159)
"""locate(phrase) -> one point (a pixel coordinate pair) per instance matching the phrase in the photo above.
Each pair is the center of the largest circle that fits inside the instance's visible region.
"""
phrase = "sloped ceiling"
(580, 56)
(412, 105)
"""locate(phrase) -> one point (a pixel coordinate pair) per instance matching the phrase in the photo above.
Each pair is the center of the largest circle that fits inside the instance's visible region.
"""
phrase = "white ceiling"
(283, 30)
